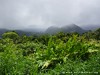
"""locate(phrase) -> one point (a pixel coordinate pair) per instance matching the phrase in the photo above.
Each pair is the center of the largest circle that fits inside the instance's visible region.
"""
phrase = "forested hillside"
(58, 54)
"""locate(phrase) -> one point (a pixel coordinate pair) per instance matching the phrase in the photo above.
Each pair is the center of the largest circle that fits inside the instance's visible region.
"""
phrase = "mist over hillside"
(49, 16)
(51, 30)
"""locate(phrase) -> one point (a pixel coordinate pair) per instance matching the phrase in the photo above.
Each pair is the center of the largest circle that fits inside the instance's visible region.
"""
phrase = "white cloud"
(43, 13)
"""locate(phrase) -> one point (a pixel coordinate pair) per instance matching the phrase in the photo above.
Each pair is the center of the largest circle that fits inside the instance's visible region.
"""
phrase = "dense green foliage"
(59, 54)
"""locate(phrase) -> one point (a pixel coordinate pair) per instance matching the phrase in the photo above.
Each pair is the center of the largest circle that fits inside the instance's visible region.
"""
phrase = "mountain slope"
(52, 30)
(20, 32)
(67, 28)
(91, 27)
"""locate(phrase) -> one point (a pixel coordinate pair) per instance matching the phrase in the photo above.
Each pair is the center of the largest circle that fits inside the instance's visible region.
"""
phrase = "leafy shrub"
(11, 35)
(56, 54)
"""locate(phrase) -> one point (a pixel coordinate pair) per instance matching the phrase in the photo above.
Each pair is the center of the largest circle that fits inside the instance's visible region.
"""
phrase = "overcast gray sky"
(45, 13)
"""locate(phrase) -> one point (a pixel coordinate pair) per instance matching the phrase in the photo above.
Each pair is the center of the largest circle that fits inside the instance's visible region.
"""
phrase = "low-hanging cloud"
(19, 14)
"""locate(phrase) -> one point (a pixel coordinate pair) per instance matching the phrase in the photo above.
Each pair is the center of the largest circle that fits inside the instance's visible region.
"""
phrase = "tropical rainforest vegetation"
(58, 54)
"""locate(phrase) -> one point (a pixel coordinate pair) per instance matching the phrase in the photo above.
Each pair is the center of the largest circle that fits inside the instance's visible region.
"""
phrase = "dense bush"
(48, 54)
